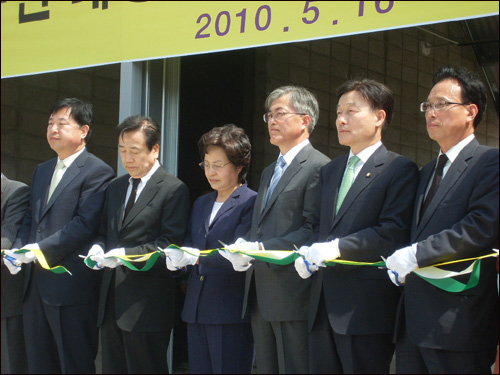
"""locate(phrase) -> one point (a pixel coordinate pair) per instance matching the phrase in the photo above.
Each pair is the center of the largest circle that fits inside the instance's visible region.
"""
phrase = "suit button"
(206, 235)
(40, 230)
(202, 278)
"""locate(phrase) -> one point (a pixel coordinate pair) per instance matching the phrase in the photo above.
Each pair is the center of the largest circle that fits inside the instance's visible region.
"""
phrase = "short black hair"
(377, 94)
(473, 90)
(81, 112)
(235, 143)
(149, 127)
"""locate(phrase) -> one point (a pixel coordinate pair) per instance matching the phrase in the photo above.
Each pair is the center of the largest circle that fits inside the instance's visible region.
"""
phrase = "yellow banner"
(45, 36)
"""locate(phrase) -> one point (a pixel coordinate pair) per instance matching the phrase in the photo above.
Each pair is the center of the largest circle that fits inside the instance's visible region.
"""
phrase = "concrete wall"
(26, 105)
(391, 57)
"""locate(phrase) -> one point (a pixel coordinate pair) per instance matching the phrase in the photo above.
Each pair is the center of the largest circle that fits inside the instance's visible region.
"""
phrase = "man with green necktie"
(366, 203)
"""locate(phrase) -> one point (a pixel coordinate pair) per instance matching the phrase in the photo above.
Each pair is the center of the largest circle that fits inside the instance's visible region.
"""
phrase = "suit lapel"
(70, 174)
(119, 198)
(207, 210)
(457, 168)
(228, 205)
(333, 181)
(267, 174)
(425, 176)
(365, 177)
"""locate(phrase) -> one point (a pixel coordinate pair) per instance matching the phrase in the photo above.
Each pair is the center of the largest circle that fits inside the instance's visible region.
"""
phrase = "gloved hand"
(304, 268)
(12, 264)
(108, 259)
(240, 262)
(26, 257)
(402, 262)
(177, 258)
(319, 252)
(244, 245)
(96, 250)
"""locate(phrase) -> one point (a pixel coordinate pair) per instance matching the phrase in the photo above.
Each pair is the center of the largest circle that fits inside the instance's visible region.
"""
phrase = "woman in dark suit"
(219, 341)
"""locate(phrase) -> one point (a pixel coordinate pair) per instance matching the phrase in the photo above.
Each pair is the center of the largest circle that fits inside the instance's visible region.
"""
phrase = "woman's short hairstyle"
(235, 143)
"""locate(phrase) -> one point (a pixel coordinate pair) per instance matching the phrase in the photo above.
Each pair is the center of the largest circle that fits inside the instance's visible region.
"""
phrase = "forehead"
(134, 138)
(448, 88)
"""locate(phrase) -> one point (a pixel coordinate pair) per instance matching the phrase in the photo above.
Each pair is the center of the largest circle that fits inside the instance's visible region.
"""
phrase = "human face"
(137, 158)
(289, 131)
(449, 126)
(64, 134)
(358, 126)
(225, 179)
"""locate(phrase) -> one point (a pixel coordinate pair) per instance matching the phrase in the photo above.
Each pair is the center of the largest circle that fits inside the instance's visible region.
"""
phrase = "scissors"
(12, 260)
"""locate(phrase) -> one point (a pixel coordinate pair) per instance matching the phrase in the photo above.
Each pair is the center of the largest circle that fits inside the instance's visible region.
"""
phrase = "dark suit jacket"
(373, 221)
(215, 290)
(460, 222)
(66, 227)
(15, 203)
(286, 221)
(144, 301)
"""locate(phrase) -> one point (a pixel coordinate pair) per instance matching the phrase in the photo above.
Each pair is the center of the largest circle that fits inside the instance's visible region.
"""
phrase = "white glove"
(304, 268)
(240, 262)
(177, 258)
(244, 245)
(95, 251)
(26, 257)
(319, 252)
(401, 263)
(108, 259)
(12, 264)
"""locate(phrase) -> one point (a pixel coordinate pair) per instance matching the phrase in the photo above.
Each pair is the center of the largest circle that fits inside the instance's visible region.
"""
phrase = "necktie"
(131, 199)
(347, 181)
(278, 171)
(56, 177)
(438, 176)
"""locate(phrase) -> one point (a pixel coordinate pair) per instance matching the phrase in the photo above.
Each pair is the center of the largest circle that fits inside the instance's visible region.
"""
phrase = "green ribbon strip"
(453, 286)
(128, 260)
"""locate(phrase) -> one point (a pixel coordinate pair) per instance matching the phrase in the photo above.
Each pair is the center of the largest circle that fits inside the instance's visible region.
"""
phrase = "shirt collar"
(292, 153)
(365, 154)
(70, 159)
(455, 150)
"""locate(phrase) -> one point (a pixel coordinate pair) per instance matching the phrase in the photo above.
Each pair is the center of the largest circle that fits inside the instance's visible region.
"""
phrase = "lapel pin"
(368, 175)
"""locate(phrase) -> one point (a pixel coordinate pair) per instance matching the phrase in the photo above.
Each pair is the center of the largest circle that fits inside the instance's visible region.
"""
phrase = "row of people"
(336, 319)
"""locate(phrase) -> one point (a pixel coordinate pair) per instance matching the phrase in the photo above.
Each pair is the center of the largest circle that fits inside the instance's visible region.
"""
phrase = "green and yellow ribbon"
(42, 261)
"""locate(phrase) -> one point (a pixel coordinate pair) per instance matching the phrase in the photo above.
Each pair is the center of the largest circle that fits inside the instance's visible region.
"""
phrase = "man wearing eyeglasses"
(455, 217)
(275, 296)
